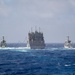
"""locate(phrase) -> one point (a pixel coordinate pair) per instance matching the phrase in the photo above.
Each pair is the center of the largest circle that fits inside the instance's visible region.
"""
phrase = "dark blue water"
(54, 60)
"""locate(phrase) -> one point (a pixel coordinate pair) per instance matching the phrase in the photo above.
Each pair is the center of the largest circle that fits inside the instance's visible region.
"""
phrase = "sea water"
(53, 60)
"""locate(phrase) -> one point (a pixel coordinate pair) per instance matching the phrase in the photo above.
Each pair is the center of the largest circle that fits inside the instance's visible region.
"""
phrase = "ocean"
(53, 60)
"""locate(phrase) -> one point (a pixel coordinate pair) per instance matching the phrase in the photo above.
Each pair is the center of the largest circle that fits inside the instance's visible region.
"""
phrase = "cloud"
(53, 16)
(72, 2)
(4, 9)
(40, 8)
(46, 8)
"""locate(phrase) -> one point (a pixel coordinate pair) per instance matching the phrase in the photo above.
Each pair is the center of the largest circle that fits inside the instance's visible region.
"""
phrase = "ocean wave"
(52, 49)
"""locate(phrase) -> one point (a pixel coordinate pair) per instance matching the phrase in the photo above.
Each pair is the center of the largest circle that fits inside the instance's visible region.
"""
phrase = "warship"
(68, 43)
(35, 40)
(3, 43)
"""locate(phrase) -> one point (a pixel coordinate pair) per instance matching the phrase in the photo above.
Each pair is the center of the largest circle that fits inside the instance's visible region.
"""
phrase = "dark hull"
(37, 47)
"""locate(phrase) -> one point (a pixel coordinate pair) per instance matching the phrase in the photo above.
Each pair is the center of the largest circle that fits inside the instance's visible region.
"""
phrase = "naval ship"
(68, 43)
(35, 40)
(3, 42)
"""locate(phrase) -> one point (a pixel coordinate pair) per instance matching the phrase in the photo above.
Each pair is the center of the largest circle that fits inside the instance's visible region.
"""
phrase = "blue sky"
(56, 18)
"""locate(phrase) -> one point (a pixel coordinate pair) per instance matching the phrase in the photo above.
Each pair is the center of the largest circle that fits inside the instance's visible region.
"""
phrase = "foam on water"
(10, 48)
(66, 65)
(26, 48)
(21, 49)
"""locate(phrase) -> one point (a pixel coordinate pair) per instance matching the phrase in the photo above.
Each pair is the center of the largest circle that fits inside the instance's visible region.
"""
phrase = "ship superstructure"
(35, 40)
(68, 43)
(3, 42)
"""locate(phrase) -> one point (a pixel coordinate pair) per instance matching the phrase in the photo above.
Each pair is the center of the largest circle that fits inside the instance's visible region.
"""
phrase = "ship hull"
(68, 47)
(37, 47)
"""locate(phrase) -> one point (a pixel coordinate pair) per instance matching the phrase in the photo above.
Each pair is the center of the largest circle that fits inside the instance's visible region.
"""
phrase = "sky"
(56, 19)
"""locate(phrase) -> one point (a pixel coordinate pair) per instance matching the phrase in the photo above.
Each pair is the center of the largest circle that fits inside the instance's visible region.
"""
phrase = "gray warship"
(68, 43)
(3, 43)
(35, 40)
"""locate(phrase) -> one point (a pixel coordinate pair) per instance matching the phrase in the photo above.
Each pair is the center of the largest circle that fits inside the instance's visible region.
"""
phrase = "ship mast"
(3, 37)
(39, 29)
(68, 38)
